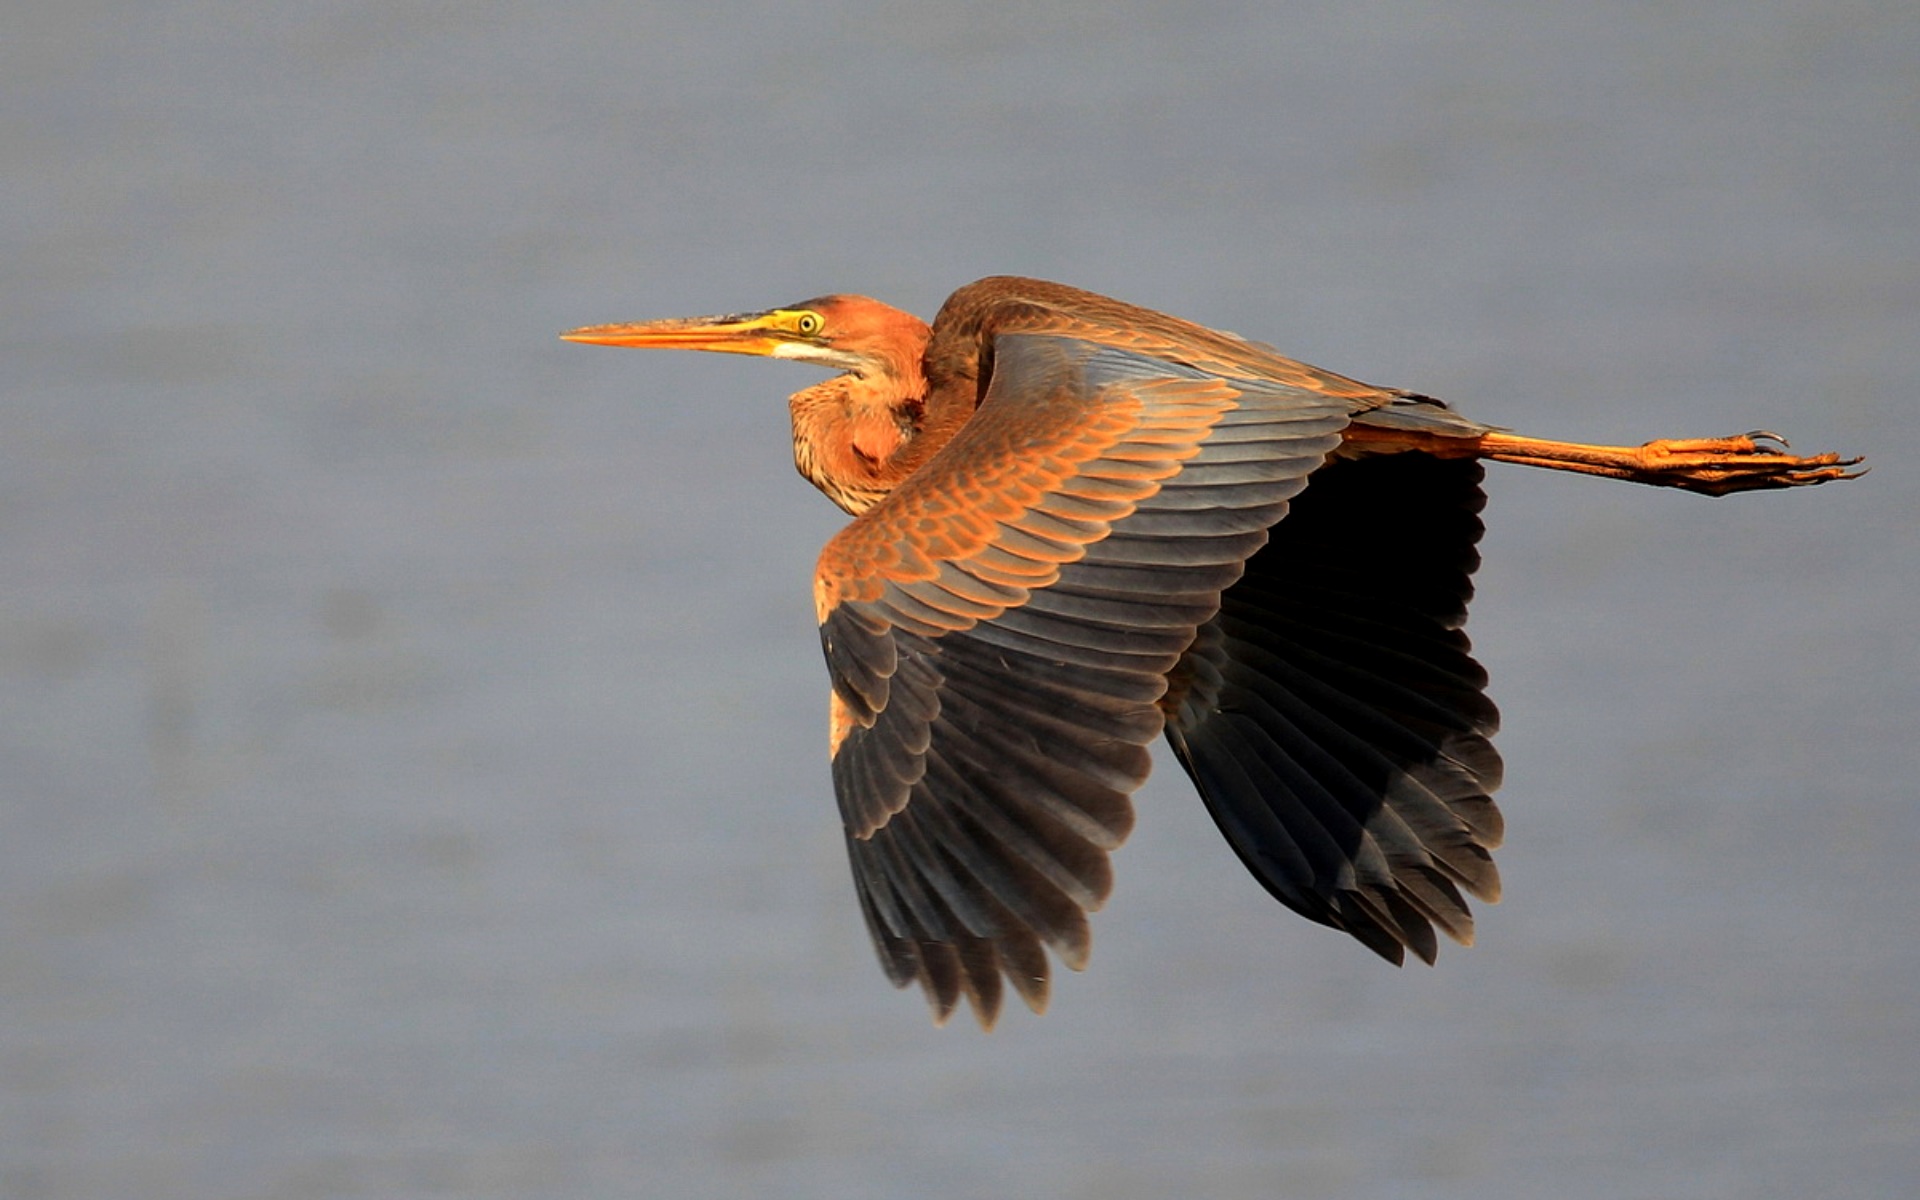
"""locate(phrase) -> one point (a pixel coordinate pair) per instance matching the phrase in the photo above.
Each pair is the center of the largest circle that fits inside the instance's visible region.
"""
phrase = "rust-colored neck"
(858, 435)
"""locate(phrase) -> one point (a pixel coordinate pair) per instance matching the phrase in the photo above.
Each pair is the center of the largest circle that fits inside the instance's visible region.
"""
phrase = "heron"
(1079, 525)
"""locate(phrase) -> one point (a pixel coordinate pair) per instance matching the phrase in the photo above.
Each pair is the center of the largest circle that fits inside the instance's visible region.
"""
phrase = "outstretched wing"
(1333, 717)
(1000, 630)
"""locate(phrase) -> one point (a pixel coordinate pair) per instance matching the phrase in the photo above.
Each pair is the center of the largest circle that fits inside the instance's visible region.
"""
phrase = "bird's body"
(1080, 524)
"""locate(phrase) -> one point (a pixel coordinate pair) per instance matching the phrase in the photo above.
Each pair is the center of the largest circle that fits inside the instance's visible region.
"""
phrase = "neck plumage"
(855, 438)
(858, 435)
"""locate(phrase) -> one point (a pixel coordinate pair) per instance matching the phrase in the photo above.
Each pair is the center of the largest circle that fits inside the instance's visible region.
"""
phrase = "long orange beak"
(763, 334)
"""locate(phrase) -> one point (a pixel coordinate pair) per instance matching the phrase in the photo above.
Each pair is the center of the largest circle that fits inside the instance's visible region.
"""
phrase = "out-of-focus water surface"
(411, 726)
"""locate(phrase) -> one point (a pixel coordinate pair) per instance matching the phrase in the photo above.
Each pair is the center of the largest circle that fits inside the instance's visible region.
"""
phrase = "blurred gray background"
(412, 762)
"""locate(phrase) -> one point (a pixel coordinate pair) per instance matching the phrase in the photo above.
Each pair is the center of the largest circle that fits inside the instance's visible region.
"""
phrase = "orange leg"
(1712, 466)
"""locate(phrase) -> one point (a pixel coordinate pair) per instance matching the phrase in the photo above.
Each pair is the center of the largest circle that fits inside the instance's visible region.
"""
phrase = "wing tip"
(973, 972)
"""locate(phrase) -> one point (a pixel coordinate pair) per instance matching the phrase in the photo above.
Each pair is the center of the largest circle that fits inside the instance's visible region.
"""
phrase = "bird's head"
(847, 333)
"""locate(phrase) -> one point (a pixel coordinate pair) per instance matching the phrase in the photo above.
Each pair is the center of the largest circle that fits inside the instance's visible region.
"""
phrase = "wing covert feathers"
(1000, 630)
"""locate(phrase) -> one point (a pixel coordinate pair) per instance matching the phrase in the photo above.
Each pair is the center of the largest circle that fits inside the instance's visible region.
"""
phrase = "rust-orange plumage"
(1079, 525)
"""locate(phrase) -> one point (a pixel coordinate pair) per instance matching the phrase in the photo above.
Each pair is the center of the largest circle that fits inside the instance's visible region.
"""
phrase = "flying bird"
(1078, 525)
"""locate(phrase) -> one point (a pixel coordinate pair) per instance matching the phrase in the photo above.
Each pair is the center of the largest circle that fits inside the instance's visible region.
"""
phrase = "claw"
(1767, 435)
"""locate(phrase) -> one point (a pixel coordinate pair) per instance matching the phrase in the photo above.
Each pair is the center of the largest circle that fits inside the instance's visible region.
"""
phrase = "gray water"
(412, 727)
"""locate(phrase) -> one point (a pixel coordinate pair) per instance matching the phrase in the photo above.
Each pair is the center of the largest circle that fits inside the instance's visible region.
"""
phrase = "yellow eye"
(809, 323)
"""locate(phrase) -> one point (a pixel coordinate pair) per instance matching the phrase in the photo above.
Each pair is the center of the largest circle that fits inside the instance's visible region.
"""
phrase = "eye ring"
(809, 323)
